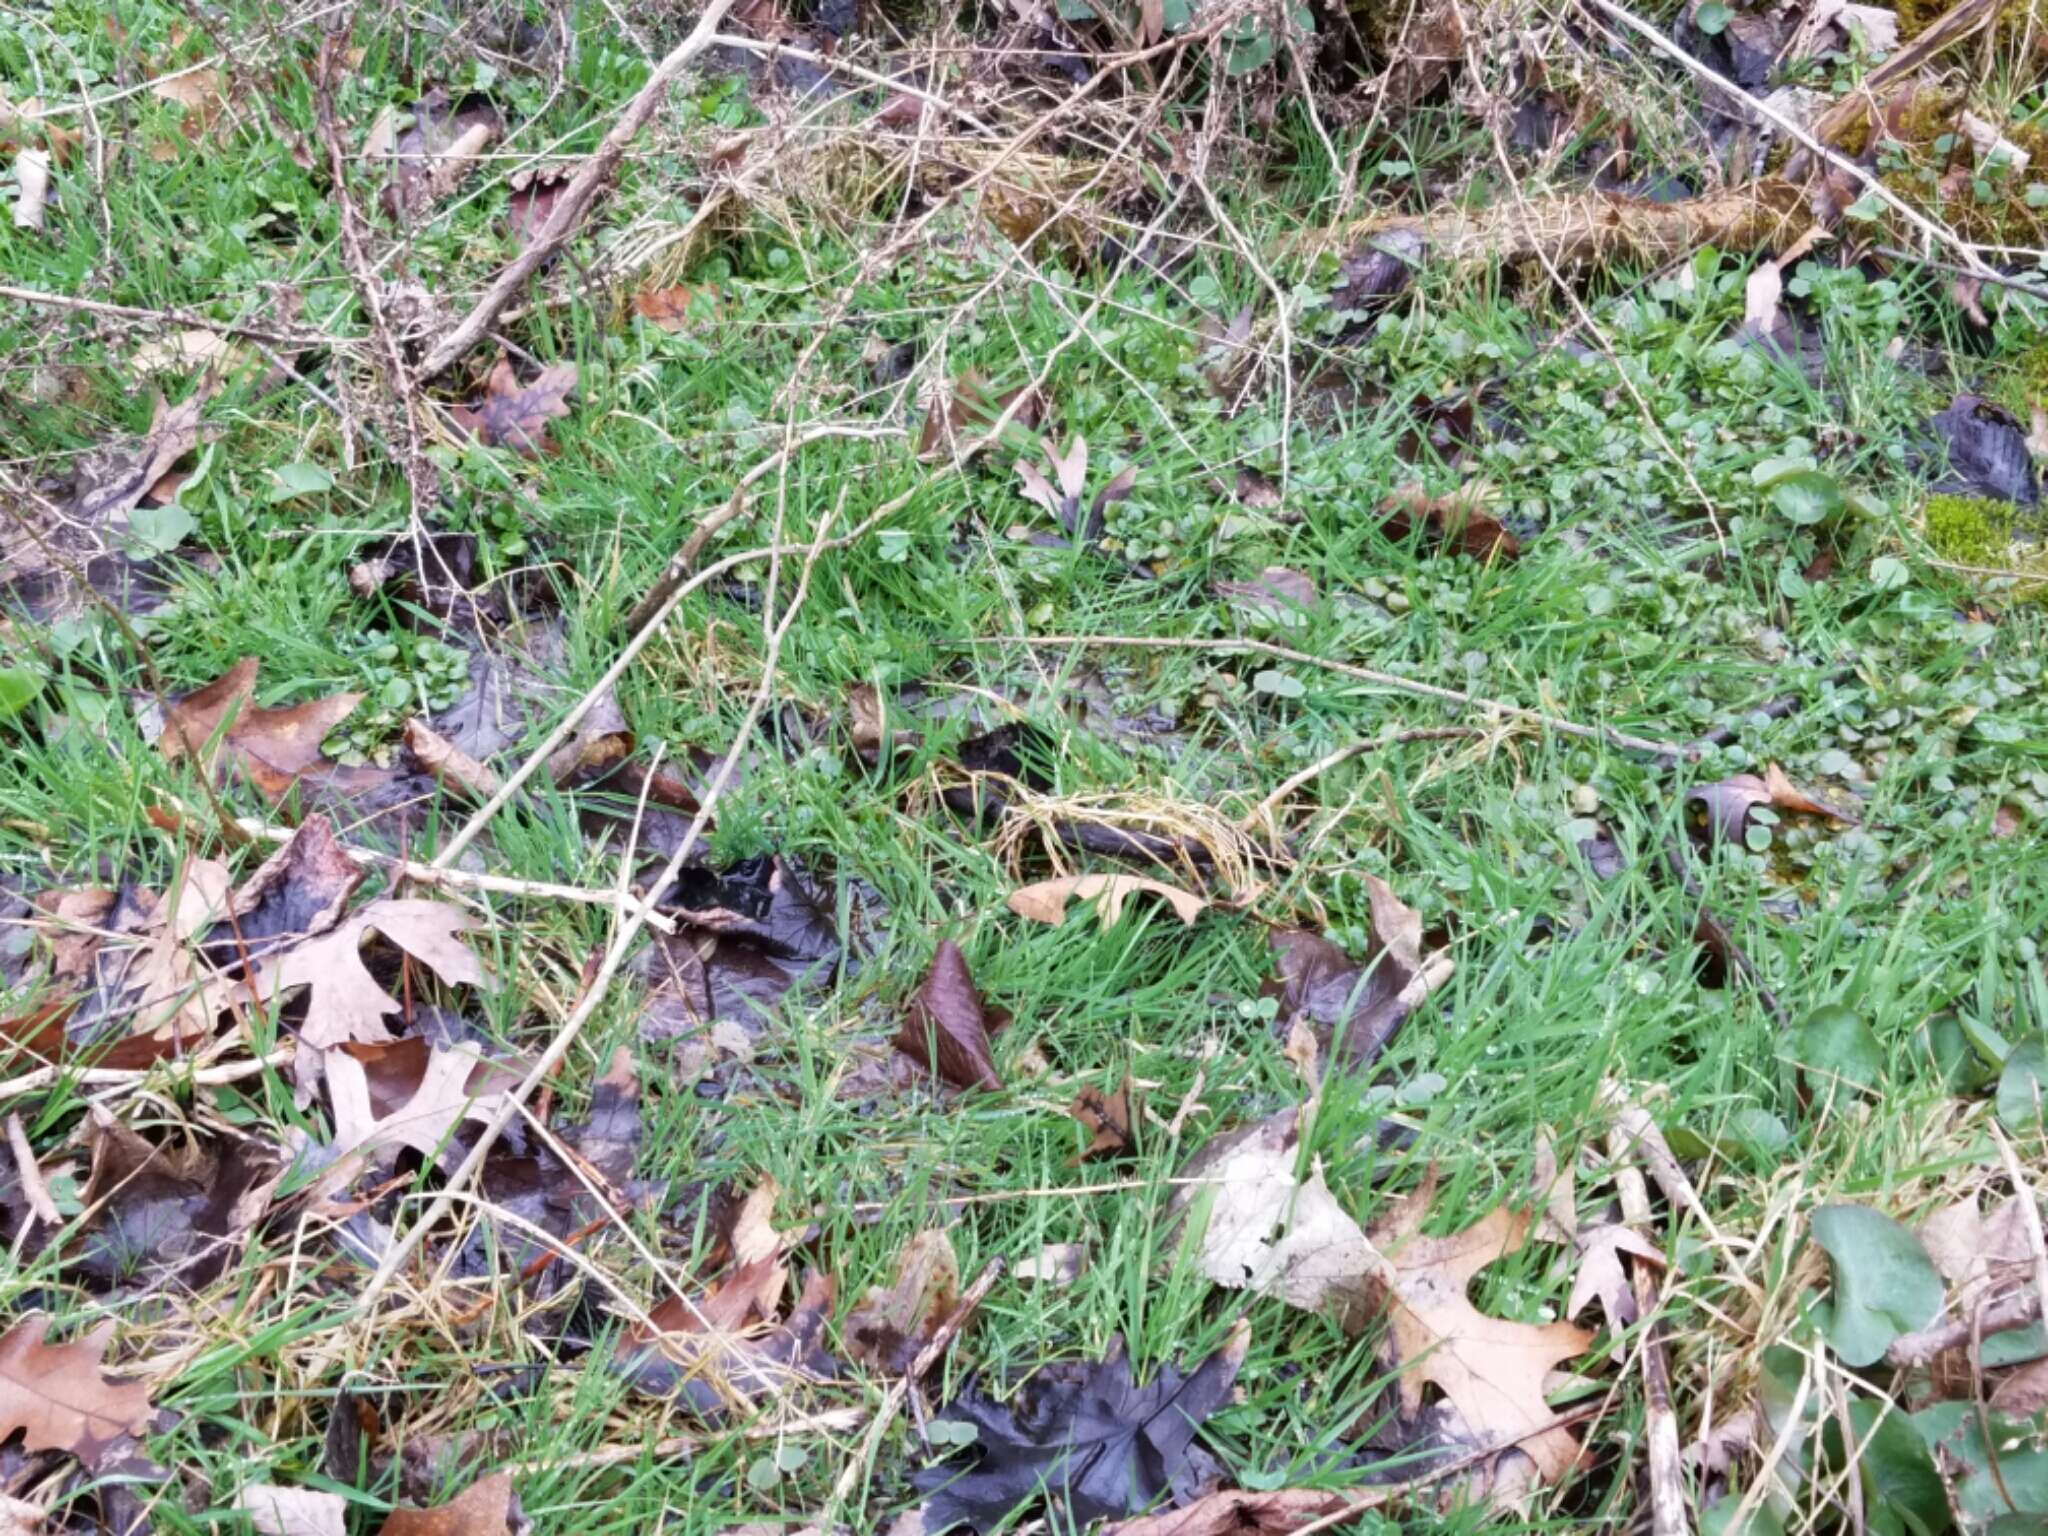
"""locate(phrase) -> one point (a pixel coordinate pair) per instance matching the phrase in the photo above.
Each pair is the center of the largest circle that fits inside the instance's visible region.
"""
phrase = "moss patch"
(1969, 530)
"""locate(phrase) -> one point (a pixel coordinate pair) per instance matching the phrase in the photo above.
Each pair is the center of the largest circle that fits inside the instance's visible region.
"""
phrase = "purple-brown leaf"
(946, 1030)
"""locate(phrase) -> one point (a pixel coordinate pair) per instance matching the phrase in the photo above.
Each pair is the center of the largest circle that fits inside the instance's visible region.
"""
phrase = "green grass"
(1626, 609)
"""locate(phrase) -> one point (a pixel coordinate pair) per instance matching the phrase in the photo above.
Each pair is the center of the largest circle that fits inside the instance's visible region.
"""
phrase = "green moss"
(2023, 386)
(1968, 530)
(2015, 19)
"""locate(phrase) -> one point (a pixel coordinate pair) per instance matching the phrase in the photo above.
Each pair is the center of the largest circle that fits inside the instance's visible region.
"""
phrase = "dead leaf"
(1151, 22)
(670, 308)
(201, 96)
(171, 1211)
(1235, 1512)
(532, 203)
(1256, 489)
(59, 1396)
(484, 1508)
(514, 415)
(347, 1002)
(299, 891)
(1261, 1229)
(969, 411)
(1071, 471)
(1555, 1185)
(1107, 1119)
(186, 352)
(434, 155)
(890, 1327)
(153, 983)
(447, 762)
(1760, 296)
(1355, 1008)
(1491, 1371)
(32, 183)
(1273, 593)
(1458, 520)
(273, 747)
(1975, 1253)
(2024, 1392)
(946, 1029)
(1055, 1264)
(1726, 803)
(1046, 902)
(275, 1511)
(113, 486)
(1602, 1275)
(446, 1095)
(742, 1352)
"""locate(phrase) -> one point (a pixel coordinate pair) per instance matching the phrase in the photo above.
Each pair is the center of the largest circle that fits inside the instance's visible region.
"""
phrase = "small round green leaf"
(1885, 1285)
(1281, 685)
(1835, 1045)
(18, 689)
(1806, 496)
(2023, 1087)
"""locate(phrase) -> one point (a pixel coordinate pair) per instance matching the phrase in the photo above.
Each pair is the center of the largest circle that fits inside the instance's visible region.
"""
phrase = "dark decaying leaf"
(1107, 1119)
(1061, 496)
(1987, 451)
(1084, 1436)
(1355, 1007)
(1227, 357)
(1378, 270)
(945, 1030)
(1726, 803)
(891, 1325)
(436, 151)
(299, 891)
(1458, 521)
(514, 415)
(746, 935)
(167, 1211)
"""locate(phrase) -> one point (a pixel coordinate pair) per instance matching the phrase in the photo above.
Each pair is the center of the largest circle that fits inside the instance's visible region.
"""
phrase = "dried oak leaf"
(1237, 1512)
(154, 990)
(891, 1325)
(1259, 1227)
(484, 1508)
(1046, 902)
(274, 747)
(347, 1002)
(1354, 1008)
(59, 1396)
(1107, 1119)
(1490, 1370)
(1601, 1274)
(299, 891)
(1458, 520)
(946, 1029)
(1085, 1436)
(454, 1083)
(514, 415)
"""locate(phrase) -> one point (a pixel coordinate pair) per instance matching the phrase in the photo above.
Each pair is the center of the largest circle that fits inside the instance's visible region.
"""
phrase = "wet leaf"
(171, 1211)
(484, 1508)
(1257, 1227)
(112, 485)
(514, 415)
(1726, 803)
(1376, 271)
(347, 1002)
(273, 747)
(1885, 1285)
(946, 1029)
(433, 155)
(1354, 1008)
(890, 1326)
(59, 1397)
(299, 891)
(455, 1085)
(1085, 1436)
(744, 1353)
(1046, 902)
(1987, 451)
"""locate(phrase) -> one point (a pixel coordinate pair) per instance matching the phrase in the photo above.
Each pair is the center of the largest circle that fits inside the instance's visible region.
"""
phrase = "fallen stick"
(1914, 1349)
(1667, 1463)
(167, 318)
(575, 199)
(1500, 707)
(1953, 26)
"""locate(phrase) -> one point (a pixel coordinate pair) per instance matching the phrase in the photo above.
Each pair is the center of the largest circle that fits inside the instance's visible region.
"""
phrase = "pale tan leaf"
(1046, 902)
(348, 1003)
(32, 177)
(275, 1511)
(1602, 1275)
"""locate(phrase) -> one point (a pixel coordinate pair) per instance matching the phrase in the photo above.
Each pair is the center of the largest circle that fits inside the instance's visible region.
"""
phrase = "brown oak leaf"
(274, 747)
(484, 1508)
(348, 1003)
(60, 1397)
(514, 415)
(891, 1325)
